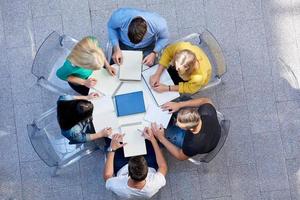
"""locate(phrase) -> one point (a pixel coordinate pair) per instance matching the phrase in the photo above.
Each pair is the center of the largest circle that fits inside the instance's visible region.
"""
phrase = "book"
(135, 141)
(106, 83)
(157, 115)
(164, 97)
(131, 67)
(104, 114)
(130, 103)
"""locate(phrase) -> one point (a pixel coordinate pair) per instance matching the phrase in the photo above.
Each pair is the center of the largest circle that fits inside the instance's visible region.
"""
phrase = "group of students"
(194, 127)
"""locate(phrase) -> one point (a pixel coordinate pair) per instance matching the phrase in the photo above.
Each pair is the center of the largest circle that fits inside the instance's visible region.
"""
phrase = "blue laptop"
(130, 103)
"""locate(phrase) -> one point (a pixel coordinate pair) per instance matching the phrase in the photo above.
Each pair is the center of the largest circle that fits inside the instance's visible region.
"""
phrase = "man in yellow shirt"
(188, 66)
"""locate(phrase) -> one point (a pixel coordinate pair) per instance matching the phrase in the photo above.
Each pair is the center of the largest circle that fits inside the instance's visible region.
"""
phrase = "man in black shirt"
(197, 130)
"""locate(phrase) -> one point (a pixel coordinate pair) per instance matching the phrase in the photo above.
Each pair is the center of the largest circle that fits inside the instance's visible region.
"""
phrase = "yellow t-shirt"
(199, 77)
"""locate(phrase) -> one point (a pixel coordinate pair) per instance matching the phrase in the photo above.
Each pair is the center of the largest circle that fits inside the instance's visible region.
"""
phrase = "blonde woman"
(84, 58)
(196, 129)
(187, 65)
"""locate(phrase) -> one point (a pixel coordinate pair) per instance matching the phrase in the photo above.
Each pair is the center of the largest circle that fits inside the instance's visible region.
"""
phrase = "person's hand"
(116, 141)
(148, 134)
(149, 60)
(93, 95)
(111, 70)
(161, 88)
(91, 82)
(158, 131)
(154, 80)
(171, 107)
(117, 56)
(106, 131)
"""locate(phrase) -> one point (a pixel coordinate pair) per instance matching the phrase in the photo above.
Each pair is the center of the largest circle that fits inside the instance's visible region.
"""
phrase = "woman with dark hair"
(74, 115)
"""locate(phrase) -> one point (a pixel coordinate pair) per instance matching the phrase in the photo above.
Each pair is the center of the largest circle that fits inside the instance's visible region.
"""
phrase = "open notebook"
(131, 67)
(157, 115)
(104, 114)
(136, 144)
(106, 84)
(160, 98)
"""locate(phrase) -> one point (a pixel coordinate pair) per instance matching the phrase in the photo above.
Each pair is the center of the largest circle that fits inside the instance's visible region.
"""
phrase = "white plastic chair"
(51, 146)
(209, 44)
(50, 56)
(206, 158)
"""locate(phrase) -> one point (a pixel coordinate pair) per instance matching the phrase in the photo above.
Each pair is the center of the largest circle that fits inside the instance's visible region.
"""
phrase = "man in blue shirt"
(133, 29)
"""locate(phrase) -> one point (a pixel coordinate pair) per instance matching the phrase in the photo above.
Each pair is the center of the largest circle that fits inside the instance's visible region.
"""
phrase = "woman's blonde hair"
(87, 54)
(188, 118)
(185, 62)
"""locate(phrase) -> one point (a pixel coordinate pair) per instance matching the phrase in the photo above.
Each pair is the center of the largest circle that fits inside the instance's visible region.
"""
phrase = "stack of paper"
(104, 114)
(165, 78)
(157, 115)
(131, 67)
(136, 144)
(106, 83)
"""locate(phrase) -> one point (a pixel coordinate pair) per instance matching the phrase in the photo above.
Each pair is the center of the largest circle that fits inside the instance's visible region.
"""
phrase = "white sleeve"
(158, 180)
(109, 183)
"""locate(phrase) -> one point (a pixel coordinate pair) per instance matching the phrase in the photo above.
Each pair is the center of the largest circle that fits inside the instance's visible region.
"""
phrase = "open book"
(106, 84)
(164, 97)
(136, 144)
(131, 67)
(156, 114)
(104, 114)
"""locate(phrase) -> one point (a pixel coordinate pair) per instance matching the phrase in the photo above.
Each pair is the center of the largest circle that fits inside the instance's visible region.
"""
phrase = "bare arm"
(154, 79)
(76, 80)
(174, 150)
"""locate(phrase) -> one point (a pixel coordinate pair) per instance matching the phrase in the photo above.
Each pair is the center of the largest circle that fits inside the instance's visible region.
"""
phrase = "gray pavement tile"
(22, 60)
(292, 166)
(276, 195)
(220, 21)
(296, 23)
(270, 161)
(99, 5)
(239, 147)
(70, 6)
(8, 150)
(289, 126)
(24, 114)
(165, 192)
(220, 198)
(245, 10)
(69, 176)
(42, 8)
(18, 32)
(244, 182)
(4, 66)
(231, 92)
(36, 180)
(43, 26)
(142, 4)
(7, 122)
(5, 88)
(239, 118)
(214, 181)
(67, 193)
(96, 191)
(10, 182)
(190, 190)
(193, 18)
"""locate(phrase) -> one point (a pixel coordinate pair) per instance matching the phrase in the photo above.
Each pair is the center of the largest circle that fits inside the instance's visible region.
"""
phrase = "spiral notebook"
(131, 67)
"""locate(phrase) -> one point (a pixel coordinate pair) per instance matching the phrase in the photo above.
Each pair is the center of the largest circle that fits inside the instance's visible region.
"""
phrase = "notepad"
(136, 144)
(131, 67)
(157, 115)
(164, 97)
(104, 114)
(130, 103)
(106, 83)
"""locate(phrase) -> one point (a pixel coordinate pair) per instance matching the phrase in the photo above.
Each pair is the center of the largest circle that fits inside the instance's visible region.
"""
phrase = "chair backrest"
(225, 125)
(288, 74)
(50, 56)
(50, 145)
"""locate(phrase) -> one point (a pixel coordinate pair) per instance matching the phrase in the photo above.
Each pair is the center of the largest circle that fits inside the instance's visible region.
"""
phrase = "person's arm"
(175, 106)
(91, 82)
(159, 133)
(160, 159)
(103, 133)
(162, 36)
(154, 79)
(113, 24)
(109, 164)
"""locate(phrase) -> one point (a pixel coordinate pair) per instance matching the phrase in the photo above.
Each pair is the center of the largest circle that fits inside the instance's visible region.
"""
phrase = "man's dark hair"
(137, 30)
(138, 168)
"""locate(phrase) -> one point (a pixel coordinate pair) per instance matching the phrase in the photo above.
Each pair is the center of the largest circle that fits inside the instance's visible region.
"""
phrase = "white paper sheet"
(156, 114)
(136, 144)
(165, 78)
(104, 114)
(131, 67)
(106, 83)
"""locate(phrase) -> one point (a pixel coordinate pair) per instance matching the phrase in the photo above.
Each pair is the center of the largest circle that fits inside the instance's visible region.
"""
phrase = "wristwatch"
(109, 149)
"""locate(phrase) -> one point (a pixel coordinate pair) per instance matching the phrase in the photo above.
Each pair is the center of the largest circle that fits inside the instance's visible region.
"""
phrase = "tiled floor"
(261, 158)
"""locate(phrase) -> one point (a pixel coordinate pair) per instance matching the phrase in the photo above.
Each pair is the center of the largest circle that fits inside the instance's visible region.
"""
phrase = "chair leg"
(54, 172)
